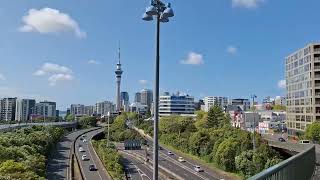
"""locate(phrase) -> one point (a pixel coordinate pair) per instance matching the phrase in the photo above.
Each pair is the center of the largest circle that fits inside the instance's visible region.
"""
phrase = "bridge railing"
(300, 167)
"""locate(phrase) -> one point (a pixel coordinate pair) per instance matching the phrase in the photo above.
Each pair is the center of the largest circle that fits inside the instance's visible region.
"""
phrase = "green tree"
(70, 117)
(313, 132)
(226, 153)
(88, 121)
(16, 170)
(215, 117)
(245, 165)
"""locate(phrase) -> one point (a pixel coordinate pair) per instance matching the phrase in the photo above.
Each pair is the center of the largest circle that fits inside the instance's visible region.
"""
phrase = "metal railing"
(299, 167)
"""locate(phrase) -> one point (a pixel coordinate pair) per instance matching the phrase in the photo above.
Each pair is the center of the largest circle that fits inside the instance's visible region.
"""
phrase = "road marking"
(93, 159)
(78, 153)
(138, 169)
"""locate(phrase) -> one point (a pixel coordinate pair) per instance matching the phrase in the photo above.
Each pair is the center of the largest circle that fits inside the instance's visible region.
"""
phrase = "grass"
(211, 166)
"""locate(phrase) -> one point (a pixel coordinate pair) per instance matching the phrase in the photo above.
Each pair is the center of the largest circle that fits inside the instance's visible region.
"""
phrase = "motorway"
(136, 169)
(58, 162)
(100, 173)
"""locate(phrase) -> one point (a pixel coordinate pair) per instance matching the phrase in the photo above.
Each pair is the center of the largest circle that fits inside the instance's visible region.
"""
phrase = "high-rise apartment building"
(24, 109)
(210, 101)
(77, 109)
(176, 104)
(89, 110)
(8, 109)
(244, 104)
(303, 87)
(102, 108)
(46, 109)
(146, 97)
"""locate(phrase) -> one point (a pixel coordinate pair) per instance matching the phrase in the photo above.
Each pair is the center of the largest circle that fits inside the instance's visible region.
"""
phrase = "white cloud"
(55, 72)
(2, 77)
(193, 59)
(232, 50)
(143, 82)
(50, 68)
(282, 84)
(246, 3)
(93, 62)
(53, 79)
(47, 20)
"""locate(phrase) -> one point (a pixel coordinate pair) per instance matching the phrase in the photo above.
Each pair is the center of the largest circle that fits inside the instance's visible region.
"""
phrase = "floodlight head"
(147, 17)
(168, 12)
(164, 19)
(151, 11)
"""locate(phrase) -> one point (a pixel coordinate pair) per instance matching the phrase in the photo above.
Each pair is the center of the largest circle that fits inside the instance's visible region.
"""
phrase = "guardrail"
(300, 167)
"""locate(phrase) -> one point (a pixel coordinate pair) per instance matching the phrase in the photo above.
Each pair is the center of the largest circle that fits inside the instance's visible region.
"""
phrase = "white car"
(180, 159)
(198, 169)
(170, 153)
(81, 149)
(84, 140)
(84, 157)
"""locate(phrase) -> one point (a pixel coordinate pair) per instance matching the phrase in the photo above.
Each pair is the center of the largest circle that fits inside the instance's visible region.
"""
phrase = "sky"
(66, 51)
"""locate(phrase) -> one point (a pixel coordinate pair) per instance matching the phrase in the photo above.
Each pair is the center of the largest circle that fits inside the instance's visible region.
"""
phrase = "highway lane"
(58, 161)
(135, 169)
(100, 173)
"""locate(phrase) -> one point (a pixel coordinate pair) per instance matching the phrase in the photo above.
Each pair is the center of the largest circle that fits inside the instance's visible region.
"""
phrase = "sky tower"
(118, 72)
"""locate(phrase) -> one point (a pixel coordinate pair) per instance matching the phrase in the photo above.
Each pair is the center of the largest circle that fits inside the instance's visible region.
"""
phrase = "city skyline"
(64, 61)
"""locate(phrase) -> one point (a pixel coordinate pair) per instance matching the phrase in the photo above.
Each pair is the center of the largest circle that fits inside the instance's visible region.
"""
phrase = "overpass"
(9, 127)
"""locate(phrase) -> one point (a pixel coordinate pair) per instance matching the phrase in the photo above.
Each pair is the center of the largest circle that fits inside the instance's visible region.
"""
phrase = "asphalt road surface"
(100, 172)
(58, 161)
(135, 169)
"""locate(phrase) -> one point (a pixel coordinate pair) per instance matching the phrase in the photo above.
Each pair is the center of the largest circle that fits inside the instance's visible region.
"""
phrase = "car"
(83, 136)
(180, 159)
(81, 149)
(160, 148)
(84, 140)
(84, 157)
(79, 145)
(81, 139)
(304, 142)
(281, 139)
(198, 169)
(170, 153)
(92, 167)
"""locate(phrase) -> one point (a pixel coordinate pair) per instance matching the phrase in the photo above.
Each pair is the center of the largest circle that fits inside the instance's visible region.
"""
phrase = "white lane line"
(92, 157)
(183, 166)
(78, 153)
(139, 170)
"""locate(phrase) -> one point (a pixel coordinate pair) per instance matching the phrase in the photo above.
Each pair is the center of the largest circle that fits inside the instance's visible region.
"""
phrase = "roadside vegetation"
(211, 138)
(23, 152)
(84, 121)
(312, 132)
(110, 158)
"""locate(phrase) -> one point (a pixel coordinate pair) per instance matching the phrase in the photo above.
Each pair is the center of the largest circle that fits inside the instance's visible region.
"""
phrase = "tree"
(70, 117)
(245, 165)
(215, 117)
(313, 132)
(88, 121)
(226, 153)
(16, 170)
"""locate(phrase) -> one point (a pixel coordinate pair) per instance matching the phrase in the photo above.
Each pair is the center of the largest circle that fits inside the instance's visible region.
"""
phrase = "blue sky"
(66, 50)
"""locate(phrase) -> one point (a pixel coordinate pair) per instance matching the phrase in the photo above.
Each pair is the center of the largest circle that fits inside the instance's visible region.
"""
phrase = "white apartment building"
(45, 109)
(7, 109)
(303, 87)
(77, 109)
(102, 108)
(24, 109)
(176, 104)
(212, 100)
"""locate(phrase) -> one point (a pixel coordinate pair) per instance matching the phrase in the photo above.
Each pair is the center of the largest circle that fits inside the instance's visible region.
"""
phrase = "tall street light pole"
(162, 12)
(254, 122)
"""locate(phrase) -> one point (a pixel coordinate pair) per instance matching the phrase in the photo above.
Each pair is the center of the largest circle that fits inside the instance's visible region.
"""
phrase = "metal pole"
(254, 125)
(156, 103)
(108, 130)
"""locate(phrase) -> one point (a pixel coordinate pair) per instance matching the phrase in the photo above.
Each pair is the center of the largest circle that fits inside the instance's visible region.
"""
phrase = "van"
(304, 142)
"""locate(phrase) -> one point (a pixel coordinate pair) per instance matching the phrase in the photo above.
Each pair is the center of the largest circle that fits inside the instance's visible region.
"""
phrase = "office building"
(243, 103)
(45, 109)
(137, 97)
(102, 108)
(215, 100)
(125, 101)
(146, 97)
(280, 101)
(176, 104)
(77, 109)
(303, 88)
(24, 109)
(7, 109)
(138, 108)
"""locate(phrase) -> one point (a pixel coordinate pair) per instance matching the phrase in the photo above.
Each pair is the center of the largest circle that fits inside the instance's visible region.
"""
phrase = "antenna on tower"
(119, 57)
